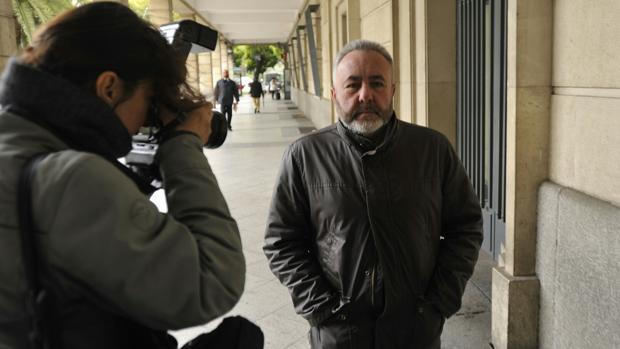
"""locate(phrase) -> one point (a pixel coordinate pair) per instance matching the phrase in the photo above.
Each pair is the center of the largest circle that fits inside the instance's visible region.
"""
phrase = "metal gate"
(481, 109)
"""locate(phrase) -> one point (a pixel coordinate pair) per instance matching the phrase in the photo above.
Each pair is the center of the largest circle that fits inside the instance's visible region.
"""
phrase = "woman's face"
(133, 111)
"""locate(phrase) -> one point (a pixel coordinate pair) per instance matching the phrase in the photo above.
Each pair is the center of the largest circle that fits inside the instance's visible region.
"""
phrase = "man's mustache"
(366, 108)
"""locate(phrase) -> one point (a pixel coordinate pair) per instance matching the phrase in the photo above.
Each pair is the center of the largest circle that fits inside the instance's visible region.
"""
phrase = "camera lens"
(219, 130)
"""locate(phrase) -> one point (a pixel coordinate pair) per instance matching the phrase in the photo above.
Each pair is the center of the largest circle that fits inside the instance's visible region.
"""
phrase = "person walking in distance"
(374, 226)
(227, 95)
(256, 91)
(273, 87)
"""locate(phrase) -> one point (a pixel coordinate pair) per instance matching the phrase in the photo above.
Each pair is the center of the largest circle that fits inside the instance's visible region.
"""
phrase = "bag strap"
(37, 297)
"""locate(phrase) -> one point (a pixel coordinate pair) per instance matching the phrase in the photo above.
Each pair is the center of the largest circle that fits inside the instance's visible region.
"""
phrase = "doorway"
(481, 110)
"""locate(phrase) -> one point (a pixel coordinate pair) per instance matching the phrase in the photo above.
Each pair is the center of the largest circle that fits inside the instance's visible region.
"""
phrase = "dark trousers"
(227, 110)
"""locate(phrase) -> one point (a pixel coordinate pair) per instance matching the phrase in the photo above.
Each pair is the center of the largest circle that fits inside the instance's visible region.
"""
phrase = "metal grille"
(481, 108)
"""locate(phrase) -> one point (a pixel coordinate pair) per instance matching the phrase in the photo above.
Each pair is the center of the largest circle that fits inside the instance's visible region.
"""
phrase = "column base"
(515, 303)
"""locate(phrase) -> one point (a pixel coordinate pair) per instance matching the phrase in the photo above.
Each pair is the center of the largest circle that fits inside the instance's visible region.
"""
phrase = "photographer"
(118, 273)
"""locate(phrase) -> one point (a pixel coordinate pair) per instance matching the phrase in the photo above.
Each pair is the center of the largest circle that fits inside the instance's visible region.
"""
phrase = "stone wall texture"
(577, 264)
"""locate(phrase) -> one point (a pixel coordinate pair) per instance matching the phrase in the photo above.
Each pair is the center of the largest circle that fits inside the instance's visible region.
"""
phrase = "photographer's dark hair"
(106, 36)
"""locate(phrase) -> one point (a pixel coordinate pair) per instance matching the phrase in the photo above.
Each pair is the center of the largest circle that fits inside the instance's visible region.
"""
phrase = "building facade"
(528, 92)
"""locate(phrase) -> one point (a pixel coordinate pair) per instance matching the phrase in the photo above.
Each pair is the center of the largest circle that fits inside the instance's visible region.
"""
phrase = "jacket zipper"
(372, 287)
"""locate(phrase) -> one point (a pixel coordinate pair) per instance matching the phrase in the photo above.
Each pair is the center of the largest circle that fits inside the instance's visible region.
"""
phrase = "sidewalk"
(246, 167)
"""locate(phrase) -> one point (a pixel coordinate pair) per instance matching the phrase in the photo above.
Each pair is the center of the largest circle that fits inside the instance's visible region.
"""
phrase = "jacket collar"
(73, 114)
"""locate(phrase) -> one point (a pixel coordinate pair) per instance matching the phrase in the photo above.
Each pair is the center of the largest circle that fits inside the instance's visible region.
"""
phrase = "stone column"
(435, 65)
(294, 65)
(216, 61)
(354, 30)
(205, 73)
(8, 38)
(231, 60)
(516, 288)
(224, 56)
(205, 78)
(304, 61)
(404, 56)
(326, 50)
(307, 60)
(421, 63)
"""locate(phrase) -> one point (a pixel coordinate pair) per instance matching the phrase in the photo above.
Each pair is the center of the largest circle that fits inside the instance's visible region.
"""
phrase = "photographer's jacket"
(113, 261)
(376, 246)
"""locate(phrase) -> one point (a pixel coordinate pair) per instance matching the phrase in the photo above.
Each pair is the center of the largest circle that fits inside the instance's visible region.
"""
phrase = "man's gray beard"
(364, 128)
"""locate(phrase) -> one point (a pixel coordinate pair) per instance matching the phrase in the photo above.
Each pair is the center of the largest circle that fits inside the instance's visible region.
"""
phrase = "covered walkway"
(528, 91)
(246, 167)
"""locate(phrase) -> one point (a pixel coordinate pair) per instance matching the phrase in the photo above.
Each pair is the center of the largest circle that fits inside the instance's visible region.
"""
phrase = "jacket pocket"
(329, 255)
(333, 333)
(429, 324)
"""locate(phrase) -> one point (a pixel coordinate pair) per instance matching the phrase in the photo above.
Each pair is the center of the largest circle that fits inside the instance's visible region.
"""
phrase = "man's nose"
(365, 93)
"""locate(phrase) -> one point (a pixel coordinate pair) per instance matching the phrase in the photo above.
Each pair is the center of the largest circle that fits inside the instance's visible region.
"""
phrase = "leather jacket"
(342, 218)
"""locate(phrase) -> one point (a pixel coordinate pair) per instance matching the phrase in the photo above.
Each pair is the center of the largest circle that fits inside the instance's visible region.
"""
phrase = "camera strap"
(37, 297)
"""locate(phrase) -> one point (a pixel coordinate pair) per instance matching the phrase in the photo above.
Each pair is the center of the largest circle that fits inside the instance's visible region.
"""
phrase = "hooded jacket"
(376, 246)
(117, 267)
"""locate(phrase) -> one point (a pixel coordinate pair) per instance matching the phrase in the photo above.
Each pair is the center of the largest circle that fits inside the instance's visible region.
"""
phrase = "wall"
(434, 65)
(319, 110)
(579, 215)
(376, 22)
(577, 263)
(441, 65)
(585, 137)
(326, 49)
(404, 55)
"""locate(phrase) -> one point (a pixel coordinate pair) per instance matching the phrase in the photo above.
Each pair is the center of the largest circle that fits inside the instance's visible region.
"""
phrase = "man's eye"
(377, 84)
(351, 86)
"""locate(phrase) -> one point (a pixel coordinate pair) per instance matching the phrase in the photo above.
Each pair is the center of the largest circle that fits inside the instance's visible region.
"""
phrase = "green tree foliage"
(256, 58)
(32, 13)
(140, 7)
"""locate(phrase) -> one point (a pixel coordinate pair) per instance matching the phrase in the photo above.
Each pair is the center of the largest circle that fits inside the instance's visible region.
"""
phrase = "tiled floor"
(246, 167)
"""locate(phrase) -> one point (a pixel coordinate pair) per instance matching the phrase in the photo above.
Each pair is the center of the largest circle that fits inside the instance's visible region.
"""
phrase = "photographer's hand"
(199, 122)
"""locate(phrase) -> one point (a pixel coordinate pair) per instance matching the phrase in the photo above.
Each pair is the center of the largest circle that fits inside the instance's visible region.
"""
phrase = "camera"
(185, 37)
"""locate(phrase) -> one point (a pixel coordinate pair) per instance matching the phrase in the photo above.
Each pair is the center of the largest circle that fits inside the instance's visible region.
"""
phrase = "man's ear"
(109, 87)
(333, 92)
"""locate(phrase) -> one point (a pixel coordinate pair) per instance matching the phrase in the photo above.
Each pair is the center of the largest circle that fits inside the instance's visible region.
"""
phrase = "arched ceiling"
(250, 21)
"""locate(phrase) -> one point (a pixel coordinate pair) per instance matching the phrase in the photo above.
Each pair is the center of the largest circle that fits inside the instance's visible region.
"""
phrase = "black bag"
(277, 94)
(233, 333)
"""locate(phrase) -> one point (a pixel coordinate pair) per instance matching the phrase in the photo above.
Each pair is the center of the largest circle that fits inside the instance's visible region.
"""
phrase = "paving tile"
(281, 334)
(301, 343)
(262, 300)
(287, 313)
(260, 269)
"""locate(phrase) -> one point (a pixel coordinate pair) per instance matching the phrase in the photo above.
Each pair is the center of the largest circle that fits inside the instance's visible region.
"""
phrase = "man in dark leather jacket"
(374, 226)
